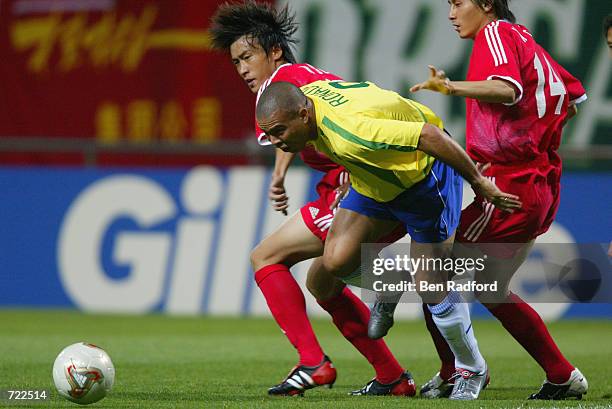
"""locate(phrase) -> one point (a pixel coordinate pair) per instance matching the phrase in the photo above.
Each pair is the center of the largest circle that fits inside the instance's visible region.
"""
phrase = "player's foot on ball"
(575, 387)
(437, 387)
(302, 378)
(404, 386)
(381, 319)
(468, 384)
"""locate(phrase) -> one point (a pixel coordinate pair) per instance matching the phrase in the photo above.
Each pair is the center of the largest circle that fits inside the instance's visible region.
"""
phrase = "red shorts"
(538, 190)
(317, 214)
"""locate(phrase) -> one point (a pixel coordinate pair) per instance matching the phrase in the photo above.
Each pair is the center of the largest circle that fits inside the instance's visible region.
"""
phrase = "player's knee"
(261, 256)
(323, 289)
(338, 263)
(332, 264)
(255, 257)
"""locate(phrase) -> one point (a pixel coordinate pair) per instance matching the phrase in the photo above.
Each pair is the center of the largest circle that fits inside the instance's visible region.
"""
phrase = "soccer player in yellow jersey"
(403, 168)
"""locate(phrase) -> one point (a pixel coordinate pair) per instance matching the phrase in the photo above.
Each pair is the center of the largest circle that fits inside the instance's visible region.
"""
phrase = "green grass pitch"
(165, 362)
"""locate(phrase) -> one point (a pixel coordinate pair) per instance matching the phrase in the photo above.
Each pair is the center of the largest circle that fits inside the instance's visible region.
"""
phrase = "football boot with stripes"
(404, 386)
(301, 378)
(468, 384)
(575, 387)
(438, 387)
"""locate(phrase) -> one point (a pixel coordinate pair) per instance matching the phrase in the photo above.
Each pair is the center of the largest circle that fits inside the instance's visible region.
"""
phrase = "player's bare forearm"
(282, 162)
(435, 143)
(492, 91)
(277, 194)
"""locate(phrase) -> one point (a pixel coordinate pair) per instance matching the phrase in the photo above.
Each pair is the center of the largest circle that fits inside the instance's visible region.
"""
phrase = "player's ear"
(488, 6)
(304, 115)
(276, 53)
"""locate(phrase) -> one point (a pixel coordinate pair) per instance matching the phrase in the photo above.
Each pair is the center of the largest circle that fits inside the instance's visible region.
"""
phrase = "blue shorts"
(430, 210)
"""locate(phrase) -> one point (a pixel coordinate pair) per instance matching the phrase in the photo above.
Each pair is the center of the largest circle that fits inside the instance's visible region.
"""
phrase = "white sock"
(452, 317)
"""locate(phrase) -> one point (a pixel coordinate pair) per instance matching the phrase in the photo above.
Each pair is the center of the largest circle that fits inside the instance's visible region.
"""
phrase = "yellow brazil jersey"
(373, 133)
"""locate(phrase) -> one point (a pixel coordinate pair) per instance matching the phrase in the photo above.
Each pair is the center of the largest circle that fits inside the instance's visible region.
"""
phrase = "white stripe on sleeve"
(500, 43)
(495, 45)
(491, 47)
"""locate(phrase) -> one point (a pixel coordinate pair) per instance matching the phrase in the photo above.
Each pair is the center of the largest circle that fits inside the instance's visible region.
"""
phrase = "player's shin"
(447, 359)
(286, 302)
(351, 317)
(452, 317)
(381, 314)
(527, 327)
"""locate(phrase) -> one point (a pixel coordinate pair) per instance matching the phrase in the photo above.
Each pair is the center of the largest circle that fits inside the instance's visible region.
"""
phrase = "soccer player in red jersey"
(518, 100)
(258, 39)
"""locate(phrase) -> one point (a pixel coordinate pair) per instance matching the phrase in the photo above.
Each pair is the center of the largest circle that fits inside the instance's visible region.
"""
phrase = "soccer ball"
(83, 373)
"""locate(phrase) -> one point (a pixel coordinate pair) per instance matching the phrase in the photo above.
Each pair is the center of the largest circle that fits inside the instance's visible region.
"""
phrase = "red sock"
(351, 316)
(444, 352)
(286, 302)
(527, 327)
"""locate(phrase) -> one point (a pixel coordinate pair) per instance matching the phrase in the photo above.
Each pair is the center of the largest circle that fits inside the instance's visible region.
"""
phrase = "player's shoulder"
(503, 30)
(301, 68)
(298, 75)
(301, 74)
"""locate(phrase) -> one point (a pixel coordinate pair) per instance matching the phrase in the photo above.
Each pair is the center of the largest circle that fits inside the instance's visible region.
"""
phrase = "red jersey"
(531, 126)
(299, 75)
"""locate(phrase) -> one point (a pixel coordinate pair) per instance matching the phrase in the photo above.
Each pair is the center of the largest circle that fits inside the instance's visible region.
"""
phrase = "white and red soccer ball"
(83, 373)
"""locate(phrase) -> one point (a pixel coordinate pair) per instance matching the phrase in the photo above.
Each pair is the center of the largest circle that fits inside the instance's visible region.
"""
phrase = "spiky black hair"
(256, 21)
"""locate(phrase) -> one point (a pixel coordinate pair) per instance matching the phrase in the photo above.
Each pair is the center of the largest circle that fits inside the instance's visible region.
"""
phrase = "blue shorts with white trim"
(430, 210)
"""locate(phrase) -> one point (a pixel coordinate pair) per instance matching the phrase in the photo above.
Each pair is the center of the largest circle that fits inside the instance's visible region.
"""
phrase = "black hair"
(500, 8)
(607, 25)
(256, 21)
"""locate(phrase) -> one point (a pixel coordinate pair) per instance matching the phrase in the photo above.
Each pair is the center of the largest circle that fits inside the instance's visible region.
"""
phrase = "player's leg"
(451, 316)
(540, 201)
(358, 221)
(442, 383)
(431, 219)
(291, 243)
(348, 312)
(528, 329)
(342, 254)
(271, 259)
(350, 315)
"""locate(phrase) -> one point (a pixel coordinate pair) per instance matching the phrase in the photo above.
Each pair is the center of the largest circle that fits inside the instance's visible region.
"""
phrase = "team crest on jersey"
(313, 211)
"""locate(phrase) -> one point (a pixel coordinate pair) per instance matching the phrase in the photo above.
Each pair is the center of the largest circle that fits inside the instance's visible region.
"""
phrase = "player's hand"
(438, 82)
(341, 192)
(482, 167)
(277, 195)
(503, 201)
(572, 111)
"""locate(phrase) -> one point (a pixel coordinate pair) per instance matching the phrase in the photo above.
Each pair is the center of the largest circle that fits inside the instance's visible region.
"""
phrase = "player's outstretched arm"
(435, 143)
(277, 194)
(493, 91)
